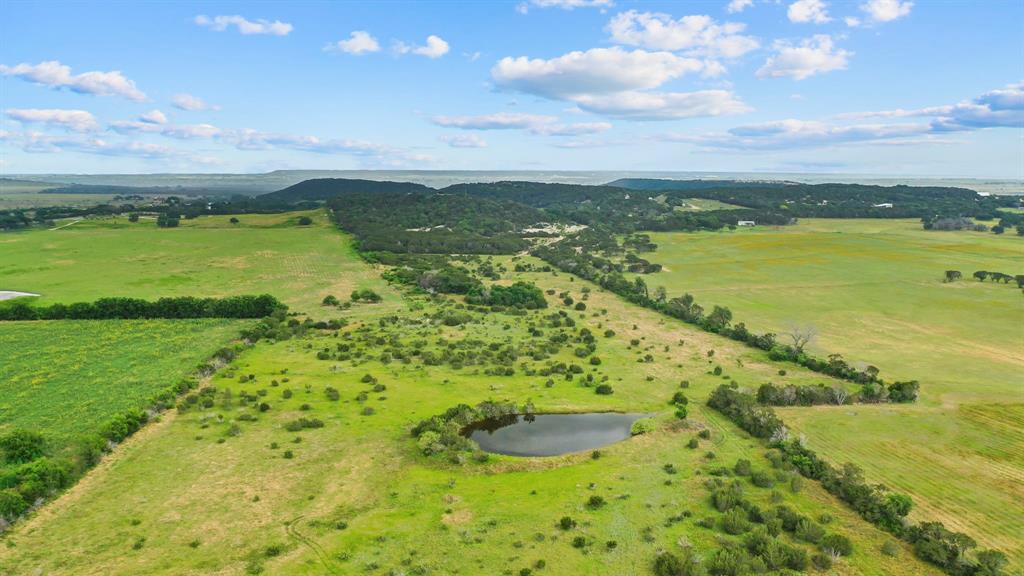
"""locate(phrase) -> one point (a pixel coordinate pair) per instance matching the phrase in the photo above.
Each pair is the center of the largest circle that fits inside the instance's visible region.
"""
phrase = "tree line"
(932, 541)
(579, 255)
(246, 306)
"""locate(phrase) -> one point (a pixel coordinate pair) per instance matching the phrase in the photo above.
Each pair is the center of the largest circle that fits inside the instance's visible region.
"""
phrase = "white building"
(746, 223)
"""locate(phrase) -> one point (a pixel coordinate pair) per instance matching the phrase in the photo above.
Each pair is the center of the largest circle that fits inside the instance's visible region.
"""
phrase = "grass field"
(357, 497)
(65, 379)
(207, 256)
(873, 290)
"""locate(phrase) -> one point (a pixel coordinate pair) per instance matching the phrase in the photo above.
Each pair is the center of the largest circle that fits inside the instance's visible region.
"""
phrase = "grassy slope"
(207, 256)
(403, 510)
(873, 290)
(91, 370)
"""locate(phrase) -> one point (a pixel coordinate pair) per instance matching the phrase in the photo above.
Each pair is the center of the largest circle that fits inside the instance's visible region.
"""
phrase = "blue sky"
(924, 88)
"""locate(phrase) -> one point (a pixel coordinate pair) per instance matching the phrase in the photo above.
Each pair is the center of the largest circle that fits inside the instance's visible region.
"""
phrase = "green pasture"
(873, 291)
(206, 256)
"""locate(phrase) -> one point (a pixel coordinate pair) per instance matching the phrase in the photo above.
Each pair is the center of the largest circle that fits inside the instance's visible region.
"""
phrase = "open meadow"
(208, 256)
(873, 291)
(234, 489)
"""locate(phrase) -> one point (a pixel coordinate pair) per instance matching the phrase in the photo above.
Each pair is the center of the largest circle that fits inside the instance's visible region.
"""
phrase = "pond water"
(550, 434)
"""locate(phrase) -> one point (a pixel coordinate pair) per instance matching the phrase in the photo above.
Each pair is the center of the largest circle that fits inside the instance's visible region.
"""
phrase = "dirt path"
(66, 225)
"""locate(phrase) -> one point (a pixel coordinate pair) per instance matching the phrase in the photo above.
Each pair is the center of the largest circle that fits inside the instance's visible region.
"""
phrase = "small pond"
(550, 434)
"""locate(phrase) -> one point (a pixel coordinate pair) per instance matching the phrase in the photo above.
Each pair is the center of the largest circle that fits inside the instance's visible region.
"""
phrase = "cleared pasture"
(207, 256)
(873, 290)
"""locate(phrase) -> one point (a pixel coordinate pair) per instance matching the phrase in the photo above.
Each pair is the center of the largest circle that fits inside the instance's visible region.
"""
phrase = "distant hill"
(328, 188)
(664, 184)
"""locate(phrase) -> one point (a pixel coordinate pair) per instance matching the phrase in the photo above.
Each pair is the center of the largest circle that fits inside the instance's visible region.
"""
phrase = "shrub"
(890, 548)
(605, 390)
(303, 424)
(808, 531)
(642, 426)
(735, 522)
(12, 504)
(595, 502)
(693, 444)
(332, 394)
(579, 542)
(821, 561)
(742, 467)
(566, 523)
(837, 544)
(21, 446)
(762, 479)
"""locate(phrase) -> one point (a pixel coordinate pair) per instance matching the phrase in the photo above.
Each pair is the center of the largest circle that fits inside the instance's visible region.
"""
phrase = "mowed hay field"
(206, 256)
(874, 291)
(66, 378)
(356, 496)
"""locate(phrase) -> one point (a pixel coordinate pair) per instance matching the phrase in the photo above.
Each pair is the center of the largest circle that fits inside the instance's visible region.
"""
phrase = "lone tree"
(953, 275)
(801, 336)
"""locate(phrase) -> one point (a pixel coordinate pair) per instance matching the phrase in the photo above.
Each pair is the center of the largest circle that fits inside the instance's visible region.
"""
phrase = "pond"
(550, 434)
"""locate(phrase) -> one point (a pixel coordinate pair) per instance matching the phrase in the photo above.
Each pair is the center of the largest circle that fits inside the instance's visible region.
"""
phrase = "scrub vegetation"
(332, 436)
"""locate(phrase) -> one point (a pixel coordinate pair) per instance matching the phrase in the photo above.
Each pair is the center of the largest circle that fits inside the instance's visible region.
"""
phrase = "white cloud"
(153, 117)
(617, 82)
(36, 142)
(191, 103)
(56, 75)
(221, 23)
(814, 55)
(803, 11)
(1001, 108)
(74, 120)
(697, 35)
(178, 131)
(852, 21)
(736, 6)
(435, 47)
(538, 124)
(464, 141)
(359, 42)
(664, 105)
(375, 154)
(886, 10)
(190, 131)
(790, 133)
(595, 71)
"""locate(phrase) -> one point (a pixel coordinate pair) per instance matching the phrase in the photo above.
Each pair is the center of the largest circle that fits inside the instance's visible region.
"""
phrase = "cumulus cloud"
(221, 23)
(696, 35)
(56, 75)
(803, 11)
(595, 71)
(464, 141)
(435, 47)
(191, 103)
(886, 10)
(664, 105)
(73, 120)
(534, 123)
(1001, 108)
(359, 42)
(814, 55)
(153, 117)
(736, 6)
(617, 82)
